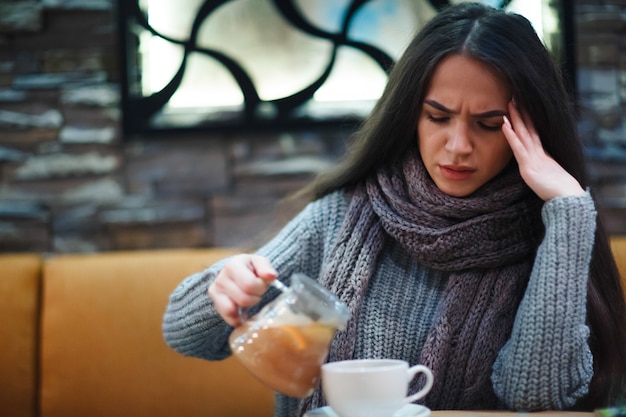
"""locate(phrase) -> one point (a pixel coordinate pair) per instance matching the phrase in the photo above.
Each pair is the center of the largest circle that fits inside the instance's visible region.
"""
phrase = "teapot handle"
(278, 284)
(243, 311)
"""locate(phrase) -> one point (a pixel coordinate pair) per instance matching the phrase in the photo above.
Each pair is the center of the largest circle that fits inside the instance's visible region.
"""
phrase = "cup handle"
(427, 386)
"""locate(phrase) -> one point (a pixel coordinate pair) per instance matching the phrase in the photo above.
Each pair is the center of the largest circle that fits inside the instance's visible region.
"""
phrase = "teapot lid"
(308, 297)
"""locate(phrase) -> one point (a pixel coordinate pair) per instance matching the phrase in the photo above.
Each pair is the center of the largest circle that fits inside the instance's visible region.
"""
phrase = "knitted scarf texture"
(486, 242)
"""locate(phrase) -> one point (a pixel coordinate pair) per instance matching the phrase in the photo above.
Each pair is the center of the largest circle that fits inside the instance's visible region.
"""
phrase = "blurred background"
(184, 123)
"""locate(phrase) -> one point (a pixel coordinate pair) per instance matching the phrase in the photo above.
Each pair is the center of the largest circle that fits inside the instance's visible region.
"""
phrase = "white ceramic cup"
(371, 387)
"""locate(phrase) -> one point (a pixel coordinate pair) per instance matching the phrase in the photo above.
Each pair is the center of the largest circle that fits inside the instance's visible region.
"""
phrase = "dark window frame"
(137, 111)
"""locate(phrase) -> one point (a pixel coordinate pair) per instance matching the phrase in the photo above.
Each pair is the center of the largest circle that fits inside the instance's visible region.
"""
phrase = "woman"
(458, 230)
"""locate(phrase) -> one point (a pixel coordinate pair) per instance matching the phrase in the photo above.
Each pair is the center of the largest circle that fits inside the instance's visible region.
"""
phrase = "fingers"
(511, 136)
(520, 131)
(517, 119)
(240, 284)
(537, 168)
(522, 136)
(225, 306)
(263, 268)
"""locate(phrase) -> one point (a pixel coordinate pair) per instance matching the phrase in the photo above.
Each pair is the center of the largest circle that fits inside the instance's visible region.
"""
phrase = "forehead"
(462, 75)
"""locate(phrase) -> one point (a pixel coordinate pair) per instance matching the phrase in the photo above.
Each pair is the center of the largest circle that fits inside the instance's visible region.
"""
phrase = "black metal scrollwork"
(140, 110)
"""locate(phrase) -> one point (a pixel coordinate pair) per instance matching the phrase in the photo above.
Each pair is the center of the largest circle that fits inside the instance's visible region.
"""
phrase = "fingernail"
(506, 120)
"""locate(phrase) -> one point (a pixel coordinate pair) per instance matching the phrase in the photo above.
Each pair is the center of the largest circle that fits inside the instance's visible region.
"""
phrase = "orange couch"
(20, 283)
(80, 335)
(618, 246)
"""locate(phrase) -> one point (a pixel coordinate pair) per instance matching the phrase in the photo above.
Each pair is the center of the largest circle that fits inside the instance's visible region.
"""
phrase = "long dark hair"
(507, 42)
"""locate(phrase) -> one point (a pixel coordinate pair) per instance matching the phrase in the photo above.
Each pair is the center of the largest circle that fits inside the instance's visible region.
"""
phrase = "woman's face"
(460, 125)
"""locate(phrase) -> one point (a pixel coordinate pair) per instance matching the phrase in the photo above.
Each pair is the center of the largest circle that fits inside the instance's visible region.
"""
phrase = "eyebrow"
(487, 114)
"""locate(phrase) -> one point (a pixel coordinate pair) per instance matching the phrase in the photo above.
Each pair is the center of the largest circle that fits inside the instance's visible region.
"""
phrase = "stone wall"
(70, 183)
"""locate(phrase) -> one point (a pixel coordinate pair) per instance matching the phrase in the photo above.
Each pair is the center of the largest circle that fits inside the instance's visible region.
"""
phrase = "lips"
(456, 172)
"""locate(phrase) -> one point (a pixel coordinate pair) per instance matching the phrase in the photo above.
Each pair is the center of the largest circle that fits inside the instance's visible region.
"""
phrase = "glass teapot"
(286, 343)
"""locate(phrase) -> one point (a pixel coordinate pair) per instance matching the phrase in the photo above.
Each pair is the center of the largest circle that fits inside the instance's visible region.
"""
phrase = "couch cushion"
(103, 353)
(20, 277)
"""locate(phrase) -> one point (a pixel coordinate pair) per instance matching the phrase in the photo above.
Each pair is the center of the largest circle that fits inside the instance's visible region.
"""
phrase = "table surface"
(462, 413)
(324, 412)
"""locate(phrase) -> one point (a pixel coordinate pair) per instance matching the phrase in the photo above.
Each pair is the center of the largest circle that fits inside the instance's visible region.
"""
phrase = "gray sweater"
(546, 363)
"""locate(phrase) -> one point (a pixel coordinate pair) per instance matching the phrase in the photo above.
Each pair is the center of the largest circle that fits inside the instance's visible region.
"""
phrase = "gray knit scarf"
(486, 241)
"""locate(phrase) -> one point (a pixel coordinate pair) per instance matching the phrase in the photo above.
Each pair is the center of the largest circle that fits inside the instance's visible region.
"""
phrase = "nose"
(459, 141)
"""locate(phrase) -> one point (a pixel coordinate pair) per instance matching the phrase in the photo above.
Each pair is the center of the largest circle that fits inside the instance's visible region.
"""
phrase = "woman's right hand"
(240, 283)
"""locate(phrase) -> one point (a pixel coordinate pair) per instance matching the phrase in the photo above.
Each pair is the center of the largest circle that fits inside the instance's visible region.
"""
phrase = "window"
(257, 64)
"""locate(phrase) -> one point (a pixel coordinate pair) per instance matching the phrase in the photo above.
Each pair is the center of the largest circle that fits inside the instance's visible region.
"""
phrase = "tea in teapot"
(286, 343)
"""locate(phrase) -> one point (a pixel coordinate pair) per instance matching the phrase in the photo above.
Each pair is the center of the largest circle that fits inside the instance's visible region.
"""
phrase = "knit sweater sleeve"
(192, 326)
(547, 363)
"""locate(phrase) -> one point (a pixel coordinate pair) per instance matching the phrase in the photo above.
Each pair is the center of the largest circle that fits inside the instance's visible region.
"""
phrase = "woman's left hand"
(539, 170)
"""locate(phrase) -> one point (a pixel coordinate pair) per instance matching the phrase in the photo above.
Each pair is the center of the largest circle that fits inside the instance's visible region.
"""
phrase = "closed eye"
(490, 128)
(438, 119)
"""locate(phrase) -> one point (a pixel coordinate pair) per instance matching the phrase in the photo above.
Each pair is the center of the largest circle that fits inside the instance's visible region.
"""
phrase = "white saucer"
(409, 410)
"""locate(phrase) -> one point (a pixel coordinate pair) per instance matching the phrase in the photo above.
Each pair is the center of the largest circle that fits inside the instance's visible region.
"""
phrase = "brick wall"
(69, 183)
